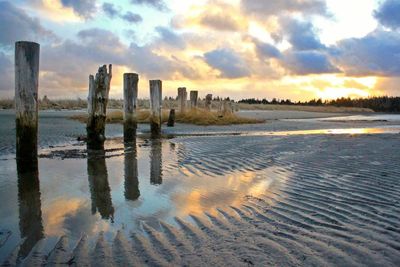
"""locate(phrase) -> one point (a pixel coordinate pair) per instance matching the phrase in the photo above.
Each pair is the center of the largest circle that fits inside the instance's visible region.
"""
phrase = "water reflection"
(30, 213)
(156, 162)
(131, 172)
(98, 181)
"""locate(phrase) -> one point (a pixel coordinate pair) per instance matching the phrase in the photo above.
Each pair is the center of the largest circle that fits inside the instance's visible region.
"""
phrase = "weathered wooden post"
(208, 102)
(182, 97)
(171, 118)
(193, 99)
(155, 106)
(130, 103)
(26, 99)
(99, 89)
(226, 107)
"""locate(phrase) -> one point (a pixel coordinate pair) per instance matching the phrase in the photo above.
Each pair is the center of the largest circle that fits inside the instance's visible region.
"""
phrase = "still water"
(73, 192)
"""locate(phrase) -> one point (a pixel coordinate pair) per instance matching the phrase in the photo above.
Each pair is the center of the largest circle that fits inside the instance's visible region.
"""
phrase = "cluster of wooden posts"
(26, 102)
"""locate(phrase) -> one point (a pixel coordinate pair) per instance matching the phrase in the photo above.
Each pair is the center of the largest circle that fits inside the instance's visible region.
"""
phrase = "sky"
(286, 49)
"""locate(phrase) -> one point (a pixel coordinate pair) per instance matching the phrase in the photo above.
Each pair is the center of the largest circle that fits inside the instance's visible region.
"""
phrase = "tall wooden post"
(155, 106)
(130, 103)
(208, 102)
(182, 97)
(26, 98)
(193, 99)
(99, 89)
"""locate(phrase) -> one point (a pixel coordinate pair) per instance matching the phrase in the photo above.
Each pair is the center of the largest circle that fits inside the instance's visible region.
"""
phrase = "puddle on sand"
(71, 192)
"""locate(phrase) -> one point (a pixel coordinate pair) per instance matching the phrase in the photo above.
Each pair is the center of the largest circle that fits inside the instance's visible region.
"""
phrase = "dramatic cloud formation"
(388, 14)
(15, 25)
(236, 48)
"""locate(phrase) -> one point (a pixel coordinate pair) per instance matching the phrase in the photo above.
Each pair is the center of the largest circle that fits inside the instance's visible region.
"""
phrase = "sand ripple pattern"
(340, 207)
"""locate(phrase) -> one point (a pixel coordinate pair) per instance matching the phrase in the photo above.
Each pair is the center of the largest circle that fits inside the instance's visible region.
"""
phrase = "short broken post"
(171, 118)
(226, 107)
(208, 102)
(193, 99)
(182, 97)
(130, 103)
(26, 99)
(155, 106)
(99, 88)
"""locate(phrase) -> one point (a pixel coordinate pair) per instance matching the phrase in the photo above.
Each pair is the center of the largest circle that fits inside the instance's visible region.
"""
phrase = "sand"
(331, 200)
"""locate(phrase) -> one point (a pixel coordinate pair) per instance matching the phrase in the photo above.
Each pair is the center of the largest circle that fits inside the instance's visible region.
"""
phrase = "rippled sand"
(315, 199)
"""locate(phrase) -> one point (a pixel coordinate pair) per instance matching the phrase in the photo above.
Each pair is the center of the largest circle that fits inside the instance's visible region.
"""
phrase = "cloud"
(157, 4)
(388, 14)
(131, 17)
(16, 25)
(6, 73)
(221, 22)
(307, 62)
(83, 8)
(227, 62)
(301, 34)
(110, 10)
(265, 50)
(377, 54)
(170, 38)
(268, 8)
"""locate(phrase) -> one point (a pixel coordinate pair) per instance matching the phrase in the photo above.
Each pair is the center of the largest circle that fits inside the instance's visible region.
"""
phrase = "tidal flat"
(300, 189)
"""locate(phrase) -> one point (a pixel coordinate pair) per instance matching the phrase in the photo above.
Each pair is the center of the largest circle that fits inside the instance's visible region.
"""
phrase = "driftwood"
(99, 88)
(26, 99)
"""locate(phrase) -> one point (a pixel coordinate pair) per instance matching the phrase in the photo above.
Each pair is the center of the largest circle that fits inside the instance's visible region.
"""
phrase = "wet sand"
(316, 199)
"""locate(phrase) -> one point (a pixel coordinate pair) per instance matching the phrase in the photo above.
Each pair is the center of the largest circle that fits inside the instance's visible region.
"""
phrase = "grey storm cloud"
(83, 8)
(265, 50)
(301, 34)
(158, 4)
(388, 14)
(267, 8)
(228, 62)
(308, 62)
(113, 12)
(16, 25)
(170, 38)
(378, 53)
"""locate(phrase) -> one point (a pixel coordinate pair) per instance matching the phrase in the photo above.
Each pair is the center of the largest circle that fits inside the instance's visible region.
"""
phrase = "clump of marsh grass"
(195, 116)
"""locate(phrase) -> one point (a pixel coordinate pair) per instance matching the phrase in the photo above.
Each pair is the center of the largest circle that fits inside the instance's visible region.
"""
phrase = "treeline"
(378, 104)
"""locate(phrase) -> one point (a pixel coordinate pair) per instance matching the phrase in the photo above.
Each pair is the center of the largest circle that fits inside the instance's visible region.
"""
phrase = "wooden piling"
(155, 106)
(182, 97)
(194, 95)
(226, 107)
(26, 99)
(171, 118)
(99, 88)
(208, 102)
(130, 103)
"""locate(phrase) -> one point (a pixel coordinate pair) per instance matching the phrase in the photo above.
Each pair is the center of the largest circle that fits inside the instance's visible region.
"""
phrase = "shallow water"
(71, 192)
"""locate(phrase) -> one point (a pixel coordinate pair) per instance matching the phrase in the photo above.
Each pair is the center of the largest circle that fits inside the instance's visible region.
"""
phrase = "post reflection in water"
(30, 213)
(132, 191)
(98, 181)
(156, 162)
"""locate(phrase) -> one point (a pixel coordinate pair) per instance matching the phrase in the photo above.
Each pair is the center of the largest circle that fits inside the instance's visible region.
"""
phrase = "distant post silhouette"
(132, 191)
(182, 97)
(99, 88)
(155, 106)
(208, 102)
(226, 107)
(26, 98)
(130, 104)
(193, 99)
(171, 118)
